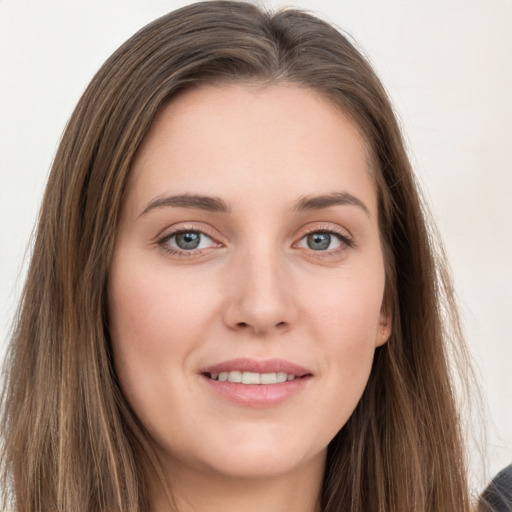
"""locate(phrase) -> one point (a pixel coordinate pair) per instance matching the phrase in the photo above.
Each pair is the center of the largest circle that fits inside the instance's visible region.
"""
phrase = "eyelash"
(345, 241)
(163, 242)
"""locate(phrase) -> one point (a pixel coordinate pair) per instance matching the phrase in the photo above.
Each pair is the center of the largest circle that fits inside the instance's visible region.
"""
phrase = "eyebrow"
(320, 202)
(217, 205)
(199, 202)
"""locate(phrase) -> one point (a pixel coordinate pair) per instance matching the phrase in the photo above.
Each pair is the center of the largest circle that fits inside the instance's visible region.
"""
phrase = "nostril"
(246, 325)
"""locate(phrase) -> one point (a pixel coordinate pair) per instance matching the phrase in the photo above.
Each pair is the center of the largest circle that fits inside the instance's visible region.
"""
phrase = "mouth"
(254, 383)
(251, 371)
(252, 377)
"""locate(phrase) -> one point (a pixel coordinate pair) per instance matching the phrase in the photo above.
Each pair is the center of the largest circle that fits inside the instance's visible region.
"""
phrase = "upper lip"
(252, 365)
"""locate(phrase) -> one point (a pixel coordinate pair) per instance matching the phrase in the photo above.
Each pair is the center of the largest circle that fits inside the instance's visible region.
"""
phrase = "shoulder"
(497, 497)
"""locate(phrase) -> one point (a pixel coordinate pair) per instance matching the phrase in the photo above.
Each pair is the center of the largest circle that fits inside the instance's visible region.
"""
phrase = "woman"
(234, 299)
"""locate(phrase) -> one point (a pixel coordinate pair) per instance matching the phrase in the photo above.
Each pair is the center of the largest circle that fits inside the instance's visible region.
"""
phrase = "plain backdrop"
(447, 66)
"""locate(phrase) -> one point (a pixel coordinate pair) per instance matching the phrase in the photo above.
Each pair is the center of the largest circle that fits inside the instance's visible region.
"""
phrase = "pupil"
(188, 240)
(319, 241)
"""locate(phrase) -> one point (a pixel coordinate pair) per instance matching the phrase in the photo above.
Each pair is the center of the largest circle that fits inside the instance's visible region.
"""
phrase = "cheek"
(139, 318)
(153, 325)
(150, 309)
(349, 341)
(348, 309)
(346, 315)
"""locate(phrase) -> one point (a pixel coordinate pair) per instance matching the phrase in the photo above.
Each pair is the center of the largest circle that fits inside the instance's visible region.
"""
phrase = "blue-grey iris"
(188, 240)
(319, 241)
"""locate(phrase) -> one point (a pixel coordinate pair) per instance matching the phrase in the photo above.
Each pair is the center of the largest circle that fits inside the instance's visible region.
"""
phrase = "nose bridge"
(261, 294)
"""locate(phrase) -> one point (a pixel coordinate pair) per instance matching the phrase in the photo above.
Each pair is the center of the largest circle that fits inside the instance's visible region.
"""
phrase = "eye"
(324, 241)
(186, 241)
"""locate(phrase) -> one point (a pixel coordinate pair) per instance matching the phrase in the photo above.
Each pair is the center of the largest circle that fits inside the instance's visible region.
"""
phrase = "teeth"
(268, 378)
(235, 376)
(252, 377)
(281, 376)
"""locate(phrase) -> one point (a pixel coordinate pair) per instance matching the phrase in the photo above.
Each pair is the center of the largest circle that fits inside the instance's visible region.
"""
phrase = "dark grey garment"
(498, 495)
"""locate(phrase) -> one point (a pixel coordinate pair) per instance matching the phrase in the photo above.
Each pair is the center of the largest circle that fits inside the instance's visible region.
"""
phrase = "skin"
(253, 289)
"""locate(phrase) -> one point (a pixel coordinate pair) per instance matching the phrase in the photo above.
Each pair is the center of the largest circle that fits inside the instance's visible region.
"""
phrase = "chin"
(258, 453)
(262, 463)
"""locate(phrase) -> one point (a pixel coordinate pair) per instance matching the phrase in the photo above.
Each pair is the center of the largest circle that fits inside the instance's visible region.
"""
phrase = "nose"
(260, 298)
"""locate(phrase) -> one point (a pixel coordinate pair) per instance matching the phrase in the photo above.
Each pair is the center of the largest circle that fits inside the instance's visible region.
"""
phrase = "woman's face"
(248, 250)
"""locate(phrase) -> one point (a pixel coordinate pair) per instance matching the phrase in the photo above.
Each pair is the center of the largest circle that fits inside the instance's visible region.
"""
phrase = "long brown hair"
(70, 441)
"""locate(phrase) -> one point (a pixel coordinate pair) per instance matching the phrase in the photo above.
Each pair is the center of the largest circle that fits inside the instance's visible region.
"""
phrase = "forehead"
(233, 139)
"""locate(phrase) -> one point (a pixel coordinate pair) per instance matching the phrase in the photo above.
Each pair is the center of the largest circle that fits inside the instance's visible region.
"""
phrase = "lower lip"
(257, 395)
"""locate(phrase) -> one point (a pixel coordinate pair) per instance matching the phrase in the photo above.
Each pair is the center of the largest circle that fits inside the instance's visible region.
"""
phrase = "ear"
(385, 325)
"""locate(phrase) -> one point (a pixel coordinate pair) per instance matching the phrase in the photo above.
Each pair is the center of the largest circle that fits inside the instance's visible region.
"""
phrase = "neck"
(193, 490)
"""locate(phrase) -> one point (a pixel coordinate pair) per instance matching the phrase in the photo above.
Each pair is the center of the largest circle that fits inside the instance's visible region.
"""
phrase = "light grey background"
(448, 68)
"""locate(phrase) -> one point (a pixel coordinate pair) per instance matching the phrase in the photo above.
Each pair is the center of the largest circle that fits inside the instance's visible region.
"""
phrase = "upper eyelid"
(324, 230)
(170, 231)
(328, 227)
(343, 238)
(165, 238)
(343, 234)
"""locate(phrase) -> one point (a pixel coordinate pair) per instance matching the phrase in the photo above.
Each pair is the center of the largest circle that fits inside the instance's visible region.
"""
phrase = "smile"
(252, 377)
(256, 384)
